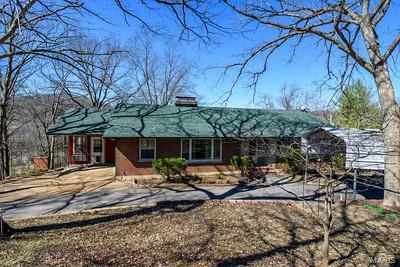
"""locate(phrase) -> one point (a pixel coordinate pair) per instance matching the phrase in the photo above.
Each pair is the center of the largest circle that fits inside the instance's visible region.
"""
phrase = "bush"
(376, 209)
(170, 167)
(293, 159)
(235, 162)
(381, 211)
(243, 164)
(339, 161)
(392, 217)
(247, 164)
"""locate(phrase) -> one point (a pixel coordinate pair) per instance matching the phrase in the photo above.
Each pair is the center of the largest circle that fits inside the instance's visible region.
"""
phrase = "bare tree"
(344, 29)
(266, 101)
(44, 24)
(98, 74)
(14, 72)
(157, 78)
(292, 97)
(288, 97)
(30, 30)
(43, 103)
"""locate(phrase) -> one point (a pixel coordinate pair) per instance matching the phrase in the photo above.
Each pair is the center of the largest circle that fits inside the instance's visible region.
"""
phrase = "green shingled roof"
(81, 121)
(171, 121)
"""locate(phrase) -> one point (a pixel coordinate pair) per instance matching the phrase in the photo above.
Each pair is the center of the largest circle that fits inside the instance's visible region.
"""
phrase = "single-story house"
(132, 136)
(363, 148)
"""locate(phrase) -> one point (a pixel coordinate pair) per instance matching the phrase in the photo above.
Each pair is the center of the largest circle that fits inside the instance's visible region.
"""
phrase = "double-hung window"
(147, 149)
(80, 146)
(201, 149)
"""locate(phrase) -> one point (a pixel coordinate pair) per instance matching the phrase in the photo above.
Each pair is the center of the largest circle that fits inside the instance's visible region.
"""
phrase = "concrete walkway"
(106, 193)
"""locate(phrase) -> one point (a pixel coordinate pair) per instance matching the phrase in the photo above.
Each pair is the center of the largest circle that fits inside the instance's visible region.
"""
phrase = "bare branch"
(391, 48)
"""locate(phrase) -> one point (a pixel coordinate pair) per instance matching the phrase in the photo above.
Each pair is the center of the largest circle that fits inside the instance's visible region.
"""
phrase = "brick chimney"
(186, 101)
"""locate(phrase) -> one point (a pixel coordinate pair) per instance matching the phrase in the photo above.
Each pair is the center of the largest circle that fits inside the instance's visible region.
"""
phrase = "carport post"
(355, 185)
(306, 170)
(305, 175)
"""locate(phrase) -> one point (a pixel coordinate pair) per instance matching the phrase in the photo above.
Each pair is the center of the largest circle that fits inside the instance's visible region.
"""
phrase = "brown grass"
(201, 235)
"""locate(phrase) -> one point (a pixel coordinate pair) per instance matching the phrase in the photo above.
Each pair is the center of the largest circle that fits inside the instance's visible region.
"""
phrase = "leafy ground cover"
(382, 211)
(203, 234)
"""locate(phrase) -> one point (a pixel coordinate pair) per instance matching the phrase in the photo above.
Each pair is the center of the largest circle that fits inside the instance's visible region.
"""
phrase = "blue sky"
(307, 67)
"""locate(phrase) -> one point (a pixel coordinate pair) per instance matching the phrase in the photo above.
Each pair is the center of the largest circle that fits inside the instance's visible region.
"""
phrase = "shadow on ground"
(199, 233)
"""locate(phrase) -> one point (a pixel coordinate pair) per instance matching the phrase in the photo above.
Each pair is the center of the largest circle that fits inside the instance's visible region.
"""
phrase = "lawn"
(202, 234)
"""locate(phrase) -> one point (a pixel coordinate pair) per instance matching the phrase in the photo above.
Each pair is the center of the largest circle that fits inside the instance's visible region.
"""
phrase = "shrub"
(392, 217)
(338, 161)
(381, 211)
(376, 209)
(293, 159)
(236, 162)
(247, 164)
(243, 164)
(170, 167)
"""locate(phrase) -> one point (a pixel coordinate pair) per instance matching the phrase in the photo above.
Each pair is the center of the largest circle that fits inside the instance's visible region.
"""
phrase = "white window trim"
(103, 147)
(212, 150)
(73, 145)
(140, 150)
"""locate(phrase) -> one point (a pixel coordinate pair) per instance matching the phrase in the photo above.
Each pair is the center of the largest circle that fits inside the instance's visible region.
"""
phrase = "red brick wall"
(41, 163)
(109, 152)
(70, 148)
(127, 156)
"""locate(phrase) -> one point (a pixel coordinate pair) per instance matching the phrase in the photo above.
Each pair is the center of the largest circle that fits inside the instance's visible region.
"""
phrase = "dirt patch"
(201, 234)
(194, 179)
(54, 184)
(202, 178)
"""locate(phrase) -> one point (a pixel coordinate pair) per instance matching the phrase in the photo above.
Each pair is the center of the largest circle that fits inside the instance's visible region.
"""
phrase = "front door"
(97, 150)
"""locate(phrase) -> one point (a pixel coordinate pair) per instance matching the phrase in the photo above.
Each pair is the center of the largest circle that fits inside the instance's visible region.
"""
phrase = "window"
(80, 144)
(201, 149)
(185, 149)
(97, 145)
(147, 149)
(217, 149)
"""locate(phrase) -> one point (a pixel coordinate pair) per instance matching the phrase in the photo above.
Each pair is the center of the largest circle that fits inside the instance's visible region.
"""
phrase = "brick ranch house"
(132, 136)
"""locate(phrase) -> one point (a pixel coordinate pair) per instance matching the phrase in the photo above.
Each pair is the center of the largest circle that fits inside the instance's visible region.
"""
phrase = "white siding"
(364, 147)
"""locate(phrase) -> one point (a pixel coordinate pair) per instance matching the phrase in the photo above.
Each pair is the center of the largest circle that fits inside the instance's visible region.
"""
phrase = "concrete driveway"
(96, 188)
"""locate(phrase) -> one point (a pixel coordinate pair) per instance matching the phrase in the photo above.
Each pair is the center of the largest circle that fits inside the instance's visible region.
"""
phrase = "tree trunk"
(4, 158)
(391, 113)
(325, 248)
(2, 146)
(2, 161)
(6, 153)
(51, 145)
(327, 222)
(391, 135)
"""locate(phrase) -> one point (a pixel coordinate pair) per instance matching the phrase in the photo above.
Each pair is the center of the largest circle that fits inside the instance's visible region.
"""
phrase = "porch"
(90, 149)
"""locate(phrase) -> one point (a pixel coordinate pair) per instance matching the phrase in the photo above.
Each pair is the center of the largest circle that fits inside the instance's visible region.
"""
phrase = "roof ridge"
(216, 107)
